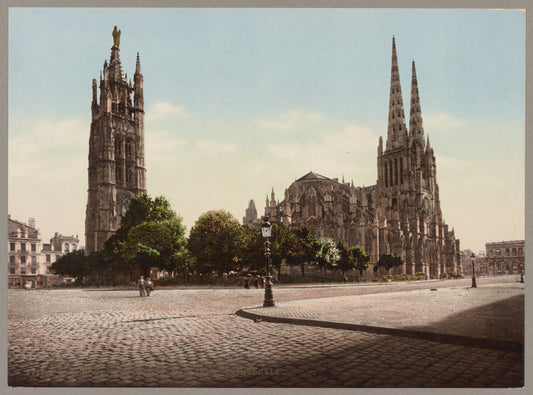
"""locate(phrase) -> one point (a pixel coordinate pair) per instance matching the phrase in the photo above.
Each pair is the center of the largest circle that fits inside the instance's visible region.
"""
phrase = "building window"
(519, 251)
(66, 247)
(11, 246)
(47, 257)
(23, 246)
(12, 259)
(33, 270)
(12, 270)
(23, 259)
(33, 247)
(22, 270)
(47, 269)
(57, 257)
(33, 260)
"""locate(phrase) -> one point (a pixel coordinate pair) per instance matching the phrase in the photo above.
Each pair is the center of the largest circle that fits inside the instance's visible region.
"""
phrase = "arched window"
(311, 201)
(66, 247)
(129, 149)
(395, 172)
(118, 147)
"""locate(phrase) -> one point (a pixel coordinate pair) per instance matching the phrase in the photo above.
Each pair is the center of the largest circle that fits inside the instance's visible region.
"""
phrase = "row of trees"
(152, 235)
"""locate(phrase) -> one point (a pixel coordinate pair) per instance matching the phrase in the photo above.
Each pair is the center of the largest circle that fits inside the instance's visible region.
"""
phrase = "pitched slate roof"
(313, 176)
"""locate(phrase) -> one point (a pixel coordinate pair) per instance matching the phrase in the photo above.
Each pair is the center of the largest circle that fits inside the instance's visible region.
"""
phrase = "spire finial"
(138, 65)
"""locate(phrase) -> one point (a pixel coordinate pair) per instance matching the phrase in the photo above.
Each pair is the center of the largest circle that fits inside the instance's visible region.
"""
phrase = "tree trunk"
(302, 267)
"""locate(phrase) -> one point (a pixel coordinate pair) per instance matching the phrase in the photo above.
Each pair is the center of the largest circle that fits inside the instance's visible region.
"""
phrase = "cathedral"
(401, 214)
(116, 148)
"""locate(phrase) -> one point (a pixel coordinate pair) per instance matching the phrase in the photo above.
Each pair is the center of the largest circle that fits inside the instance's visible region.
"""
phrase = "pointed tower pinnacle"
(416, 128)
(138, 65)
(115, 66)
(397, 131)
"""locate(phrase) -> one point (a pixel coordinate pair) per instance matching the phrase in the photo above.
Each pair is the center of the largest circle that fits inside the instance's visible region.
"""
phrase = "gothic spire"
(138, 65)
(397, 131)
(416, 128)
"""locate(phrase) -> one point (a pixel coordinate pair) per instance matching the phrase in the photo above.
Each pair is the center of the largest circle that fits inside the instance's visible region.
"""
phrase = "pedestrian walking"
(246, 283)
(142, 286)
(256, 282)
(149, 287)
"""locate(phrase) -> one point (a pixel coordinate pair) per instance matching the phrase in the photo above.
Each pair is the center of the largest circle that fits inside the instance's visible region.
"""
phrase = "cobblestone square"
(192, 337)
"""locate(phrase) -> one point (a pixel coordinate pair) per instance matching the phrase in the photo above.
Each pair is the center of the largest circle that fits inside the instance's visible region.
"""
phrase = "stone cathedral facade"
(401, 214)
(116, 148)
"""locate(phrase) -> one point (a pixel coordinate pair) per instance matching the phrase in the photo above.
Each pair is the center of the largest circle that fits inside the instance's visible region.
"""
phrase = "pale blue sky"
(242, 100)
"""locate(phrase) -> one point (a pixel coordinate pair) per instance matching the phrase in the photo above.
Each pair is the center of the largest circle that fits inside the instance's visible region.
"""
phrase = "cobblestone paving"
(192, 338)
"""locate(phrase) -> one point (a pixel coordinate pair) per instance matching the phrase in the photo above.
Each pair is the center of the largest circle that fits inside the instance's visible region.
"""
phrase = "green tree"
(214, 242)
(281, 241)
(327, 253)
(362, 259)
(388, 261)
(303, 248)
(150, 235)
(72, 264)
(251, 249)
(346, 260)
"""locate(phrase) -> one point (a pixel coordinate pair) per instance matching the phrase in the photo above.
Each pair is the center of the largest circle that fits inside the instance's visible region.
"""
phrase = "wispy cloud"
(444, 119)
(210, 147)
(164, 110)
(47, 169)
(292, 120)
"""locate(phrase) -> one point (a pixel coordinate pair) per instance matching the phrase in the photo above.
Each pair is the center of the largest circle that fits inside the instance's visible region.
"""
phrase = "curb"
(435, 337)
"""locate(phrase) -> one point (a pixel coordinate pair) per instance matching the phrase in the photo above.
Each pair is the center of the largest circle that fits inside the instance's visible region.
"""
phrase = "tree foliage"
(362, 259)
(388, 261)
(214, 242)
(303, 248)
(281, 241)
(251, 249)
(151, 234)
(73, 264)
(327, 253)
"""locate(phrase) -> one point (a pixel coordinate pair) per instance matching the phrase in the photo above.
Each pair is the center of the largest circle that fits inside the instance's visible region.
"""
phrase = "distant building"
(24, 248)
(502, 257)
(250, 219)
(505, 257)
(29, 259)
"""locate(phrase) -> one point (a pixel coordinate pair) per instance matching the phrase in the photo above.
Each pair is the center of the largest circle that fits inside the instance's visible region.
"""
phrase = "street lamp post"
(474, 271)
(269, 298)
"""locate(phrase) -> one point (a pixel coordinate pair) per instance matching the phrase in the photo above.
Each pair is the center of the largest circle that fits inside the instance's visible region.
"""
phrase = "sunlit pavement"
(186, 337)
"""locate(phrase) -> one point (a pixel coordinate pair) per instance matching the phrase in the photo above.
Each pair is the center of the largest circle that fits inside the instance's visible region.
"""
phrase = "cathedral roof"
(312, 176)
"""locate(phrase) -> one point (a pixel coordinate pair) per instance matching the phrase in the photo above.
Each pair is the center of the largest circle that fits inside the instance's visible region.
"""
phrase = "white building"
(29, 259)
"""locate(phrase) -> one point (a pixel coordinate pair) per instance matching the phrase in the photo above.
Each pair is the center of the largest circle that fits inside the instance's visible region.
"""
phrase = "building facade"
(29, 259)
(505, 257)
(401, 214)
(116, 148)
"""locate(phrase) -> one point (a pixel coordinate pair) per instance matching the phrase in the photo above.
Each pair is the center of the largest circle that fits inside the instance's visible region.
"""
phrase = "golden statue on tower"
(116, 37)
